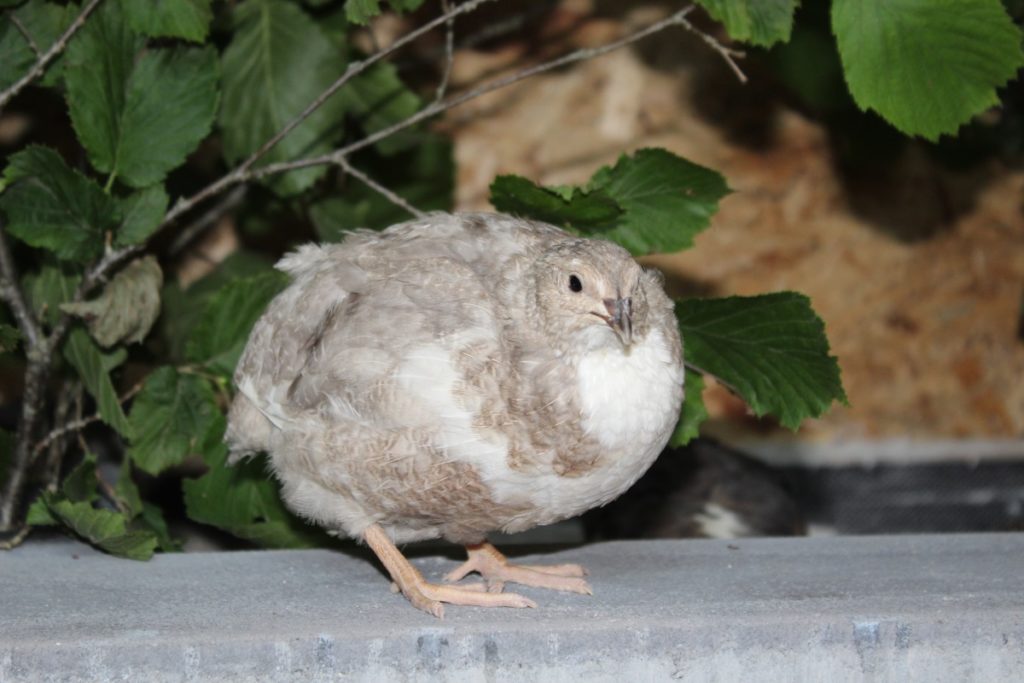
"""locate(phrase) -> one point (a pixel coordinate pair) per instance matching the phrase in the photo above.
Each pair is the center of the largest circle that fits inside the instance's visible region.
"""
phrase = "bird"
(703, 490)
(453, 376)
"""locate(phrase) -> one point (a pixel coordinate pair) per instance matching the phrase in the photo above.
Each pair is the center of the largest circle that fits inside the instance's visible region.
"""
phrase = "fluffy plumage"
(456, 375)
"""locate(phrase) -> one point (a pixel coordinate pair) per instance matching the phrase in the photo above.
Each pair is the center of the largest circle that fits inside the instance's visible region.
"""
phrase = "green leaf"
(79, 486)
(926, 66)
(694, 412)
(106, 529)
(44, 22)
(405, 5)
(50, 206)
(169, 418)
(73, 507)
(9, 338)
(127, 492)
(128, 306)
(94, 368)
(578, 210)
(39, 514)
(48, 289)
(188, 19)
(423, 175)
(277, 63)
(244, 500)
(220, 336)
(759, 22)
(770, 349)
(809, 66)
(182, 310)
(377, 98)
(667, 200)
(663, 201)
(361, 11)
(141, 214)
(100, 60)
(137, 116)
(152, 519)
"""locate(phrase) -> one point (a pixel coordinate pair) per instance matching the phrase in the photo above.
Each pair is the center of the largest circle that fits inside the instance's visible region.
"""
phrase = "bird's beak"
(620, 318)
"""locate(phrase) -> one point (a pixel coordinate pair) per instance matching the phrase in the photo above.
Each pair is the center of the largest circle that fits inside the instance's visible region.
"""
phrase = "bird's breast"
(630, 400)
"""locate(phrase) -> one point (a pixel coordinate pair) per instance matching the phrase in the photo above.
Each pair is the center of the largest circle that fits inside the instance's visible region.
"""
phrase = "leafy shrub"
(183, 110)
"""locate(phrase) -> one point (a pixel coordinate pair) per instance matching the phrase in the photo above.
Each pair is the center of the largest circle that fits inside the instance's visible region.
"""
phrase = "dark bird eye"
(575, 284)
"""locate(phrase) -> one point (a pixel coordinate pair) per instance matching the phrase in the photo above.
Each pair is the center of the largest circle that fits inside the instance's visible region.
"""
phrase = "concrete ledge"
(926, 608)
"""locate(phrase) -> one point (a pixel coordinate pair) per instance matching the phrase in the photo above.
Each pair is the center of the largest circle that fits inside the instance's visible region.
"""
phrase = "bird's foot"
(429, 596)
(496, 570)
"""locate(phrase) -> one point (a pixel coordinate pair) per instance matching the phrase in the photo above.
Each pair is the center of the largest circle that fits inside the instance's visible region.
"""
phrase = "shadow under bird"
(457, 375)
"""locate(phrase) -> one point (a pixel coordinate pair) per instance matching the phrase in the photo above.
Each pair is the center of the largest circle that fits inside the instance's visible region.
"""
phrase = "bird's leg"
(485, 559)
(428, 596)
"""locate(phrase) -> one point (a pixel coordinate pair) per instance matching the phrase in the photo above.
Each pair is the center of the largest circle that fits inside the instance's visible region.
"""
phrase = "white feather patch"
(630, 398)
(428, 373)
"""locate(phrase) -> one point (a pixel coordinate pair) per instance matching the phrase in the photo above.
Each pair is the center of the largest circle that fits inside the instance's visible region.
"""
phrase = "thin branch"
(10, 291)
(39, 355)
(449, 52)
(63, 430)
(728, 54)
(65, 397)
(17, 539)
(379, 189)
(54, 50)
(80, 423)
(230, 201)
(677, 19)
(242, 173)
(25, 34)
(36, 373)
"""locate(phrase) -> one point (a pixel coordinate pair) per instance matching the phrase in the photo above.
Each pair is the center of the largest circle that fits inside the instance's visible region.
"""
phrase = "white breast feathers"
(631, 399)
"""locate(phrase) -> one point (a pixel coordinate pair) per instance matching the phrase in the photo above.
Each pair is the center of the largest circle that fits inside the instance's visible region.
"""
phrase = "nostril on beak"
(620, 317)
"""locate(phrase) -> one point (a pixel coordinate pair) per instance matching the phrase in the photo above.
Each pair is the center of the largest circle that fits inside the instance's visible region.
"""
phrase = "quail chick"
(457, 375)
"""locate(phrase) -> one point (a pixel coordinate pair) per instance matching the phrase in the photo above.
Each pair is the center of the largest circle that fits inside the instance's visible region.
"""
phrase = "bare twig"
(10, 291)
(80, 423)
(677, 19)
(44, 59)
(449, 52)
(16, 540)
(38, 355)
(56, 446)
(243, 172)
(65, 429)
(728, 54)
(379, 189)
(25, 34)
(189, 233)
(36, 373)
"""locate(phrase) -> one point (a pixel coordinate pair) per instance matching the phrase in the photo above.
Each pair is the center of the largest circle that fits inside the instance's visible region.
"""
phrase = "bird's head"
(591, 292)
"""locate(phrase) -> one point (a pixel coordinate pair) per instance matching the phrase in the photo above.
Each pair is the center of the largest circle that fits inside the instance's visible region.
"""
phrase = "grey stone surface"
(923, 608)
